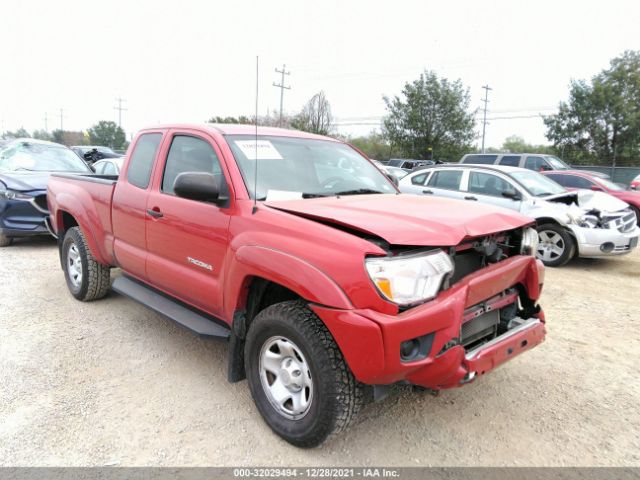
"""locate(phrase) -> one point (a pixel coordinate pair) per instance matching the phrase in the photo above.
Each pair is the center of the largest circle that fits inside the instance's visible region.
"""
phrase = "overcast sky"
(185, 61)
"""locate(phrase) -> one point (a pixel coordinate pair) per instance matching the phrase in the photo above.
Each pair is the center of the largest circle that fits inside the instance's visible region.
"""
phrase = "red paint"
(294, 244)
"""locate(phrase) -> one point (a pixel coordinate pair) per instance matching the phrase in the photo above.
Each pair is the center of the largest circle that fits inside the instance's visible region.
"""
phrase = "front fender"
(282, 268)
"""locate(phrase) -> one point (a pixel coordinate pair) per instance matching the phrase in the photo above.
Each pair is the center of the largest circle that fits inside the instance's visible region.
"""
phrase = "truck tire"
(5, 241)
(87, 279)
(298, 378)
(556, 245)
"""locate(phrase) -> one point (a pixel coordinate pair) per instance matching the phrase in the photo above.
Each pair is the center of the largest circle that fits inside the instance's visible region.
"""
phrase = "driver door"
(493, 189)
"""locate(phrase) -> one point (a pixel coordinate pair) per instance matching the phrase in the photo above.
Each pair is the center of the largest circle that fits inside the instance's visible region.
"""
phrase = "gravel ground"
(111, 383)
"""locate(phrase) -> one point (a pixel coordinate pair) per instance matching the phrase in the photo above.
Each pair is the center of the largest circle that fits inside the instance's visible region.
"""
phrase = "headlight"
(13, 195)
(409, 279)
(529, 244)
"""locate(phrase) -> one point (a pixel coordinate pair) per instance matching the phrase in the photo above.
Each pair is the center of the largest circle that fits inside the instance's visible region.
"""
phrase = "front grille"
(479, 328)
(40, 202)
(628, 223)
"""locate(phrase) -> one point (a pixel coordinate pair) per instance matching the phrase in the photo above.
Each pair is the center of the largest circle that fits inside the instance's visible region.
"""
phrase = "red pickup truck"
(329, 284)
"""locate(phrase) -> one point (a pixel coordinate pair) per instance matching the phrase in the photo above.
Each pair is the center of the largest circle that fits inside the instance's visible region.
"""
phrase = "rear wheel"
(5, 241)
(556, 246)
(298, 378)
(87, 279)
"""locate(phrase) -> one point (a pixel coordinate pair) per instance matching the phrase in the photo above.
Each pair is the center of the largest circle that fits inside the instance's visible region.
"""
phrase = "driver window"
(188, 154)
(489, 184)
(535, 163)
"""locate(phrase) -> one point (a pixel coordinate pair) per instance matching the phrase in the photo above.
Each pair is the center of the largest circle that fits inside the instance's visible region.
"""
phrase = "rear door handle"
(155, 212)
(427, 191)
(470, 197)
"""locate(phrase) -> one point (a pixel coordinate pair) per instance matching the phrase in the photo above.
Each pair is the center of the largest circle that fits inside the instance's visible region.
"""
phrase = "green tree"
(108, 134)
(600, 122)
(19, 133)
(516, 144)
(430, 117)
(42, 135)
(373, 145)
(315, 116)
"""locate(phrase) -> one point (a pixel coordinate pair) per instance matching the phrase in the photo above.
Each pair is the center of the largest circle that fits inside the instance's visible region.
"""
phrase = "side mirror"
(512, 194)
(205, 187)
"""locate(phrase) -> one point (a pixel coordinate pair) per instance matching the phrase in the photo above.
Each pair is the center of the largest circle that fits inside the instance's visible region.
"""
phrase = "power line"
(484, 120)
(282, 88)
(120, 109)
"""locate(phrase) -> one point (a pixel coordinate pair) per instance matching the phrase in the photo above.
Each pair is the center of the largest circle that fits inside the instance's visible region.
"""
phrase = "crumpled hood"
(407, 219)
(24, 181)
(591, 200)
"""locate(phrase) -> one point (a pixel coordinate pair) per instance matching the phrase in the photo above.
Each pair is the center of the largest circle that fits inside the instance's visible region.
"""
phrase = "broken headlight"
(529, 244)
(409, 279)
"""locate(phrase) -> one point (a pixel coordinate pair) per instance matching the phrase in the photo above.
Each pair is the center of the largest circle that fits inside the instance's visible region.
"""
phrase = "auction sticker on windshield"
(264, 149)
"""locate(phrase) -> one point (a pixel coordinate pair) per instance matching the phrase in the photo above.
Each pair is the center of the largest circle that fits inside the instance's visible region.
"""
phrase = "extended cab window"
(488, 184)
(419, 179)
(142, 158)
(571, 181)
(188, 154)
(447, 179)
(510, 160)
(480, 159)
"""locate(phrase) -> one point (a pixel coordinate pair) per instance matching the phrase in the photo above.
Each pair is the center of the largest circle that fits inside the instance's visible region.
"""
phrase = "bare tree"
(315, 116)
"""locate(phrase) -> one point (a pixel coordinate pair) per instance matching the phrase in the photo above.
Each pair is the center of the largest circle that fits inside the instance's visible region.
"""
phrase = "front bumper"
(370, 341)
(604, 242)
(21, 218)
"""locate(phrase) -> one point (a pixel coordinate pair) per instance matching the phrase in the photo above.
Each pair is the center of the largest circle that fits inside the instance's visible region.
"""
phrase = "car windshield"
(104, 150)
(537, 184)
(38, 157)
(557, 164)
(290, 168)
(609, 185)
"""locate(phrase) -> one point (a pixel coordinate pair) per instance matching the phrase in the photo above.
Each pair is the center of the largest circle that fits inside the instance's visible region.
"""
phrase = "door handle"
(470, 197)
(155, 212)
(427, 191)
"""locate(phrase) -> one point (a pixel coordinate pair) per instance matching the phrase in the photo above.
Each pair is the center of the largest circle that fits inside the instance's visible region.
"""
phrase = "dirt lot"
(112, 383)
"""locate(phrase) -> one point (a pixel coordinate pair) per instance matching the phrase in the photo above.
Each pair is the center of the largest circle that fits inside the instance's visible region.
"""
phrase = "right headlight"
(529, 244)
(13, 195)
(409, 279)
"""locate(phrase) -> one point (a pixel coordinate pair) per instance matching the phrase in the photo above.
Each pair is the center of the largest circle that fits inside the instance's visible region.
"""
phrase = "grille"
(40, 202)
(485, 325)
(628, 222)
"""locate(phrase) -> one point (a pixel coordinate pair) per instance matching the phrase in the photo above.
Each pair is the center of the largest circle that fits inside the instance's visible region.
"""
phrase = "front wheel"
(87, 279)
(4, 240)
(556, 246)
(298, 378)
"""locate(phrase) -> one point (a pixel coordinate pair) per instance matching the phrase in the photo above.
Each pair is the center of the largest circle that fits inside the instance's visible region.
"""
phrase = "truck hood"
(407, 219)
(589, 200)
(24, 181)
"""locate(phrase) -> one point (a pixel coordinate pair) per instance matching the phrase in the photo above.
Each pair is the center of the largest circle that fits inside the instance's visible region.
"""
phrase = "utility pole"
(120, 109)
(61, 119)
(282, 87)
(484, 120)
(46, 122)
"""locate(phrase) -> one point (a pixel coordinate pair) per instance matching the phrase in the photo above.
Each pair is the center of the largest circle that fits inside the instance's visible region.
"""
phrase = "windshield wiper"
(358, 191)
(27, 169)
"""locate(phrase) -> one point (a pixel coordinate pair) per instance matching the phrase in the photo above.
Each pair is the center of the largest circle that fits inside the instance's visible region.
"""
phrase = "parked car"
(108, 166)
(408, 164)
(583, 223)
(322, 281)
(635, 183)
(531, 161)
(394, 172)
(25, 167)
(93, 153)
(577, 179)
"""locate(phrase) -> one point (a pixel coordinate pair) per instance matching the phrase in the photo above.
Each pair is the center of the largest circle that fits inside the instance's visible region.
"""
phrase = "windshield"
(38, 157)
(104, 150)
(290, 168)
(557, 164)
(608, 184)
(537, 184)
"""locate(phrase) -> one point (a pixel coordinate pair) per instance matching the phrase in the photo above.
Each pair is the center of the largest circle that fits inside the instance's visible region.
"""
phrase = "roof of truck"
(240, 129)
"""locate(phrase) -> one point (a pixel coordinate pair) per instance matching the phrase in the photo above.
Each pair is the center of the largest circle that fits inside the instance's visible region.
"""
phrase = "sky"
(187, 61)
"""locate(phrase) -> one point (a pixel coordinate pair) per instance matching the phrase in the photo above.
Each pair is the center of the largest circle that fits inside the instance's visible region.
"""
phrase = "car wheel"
(87, 279)
(636, 210)
(556, 246)
(5, 241)
(298, 378)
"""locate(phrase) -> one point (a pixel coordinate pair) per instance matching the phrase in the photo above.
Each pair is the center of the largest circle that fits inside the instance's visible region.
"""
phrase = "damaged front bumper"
(604, 242)
(371, 342)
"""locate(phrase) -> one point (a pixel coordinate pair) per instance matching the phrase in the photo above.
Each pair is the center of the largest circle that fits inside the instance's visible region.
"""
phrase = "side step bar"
(196, 322)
